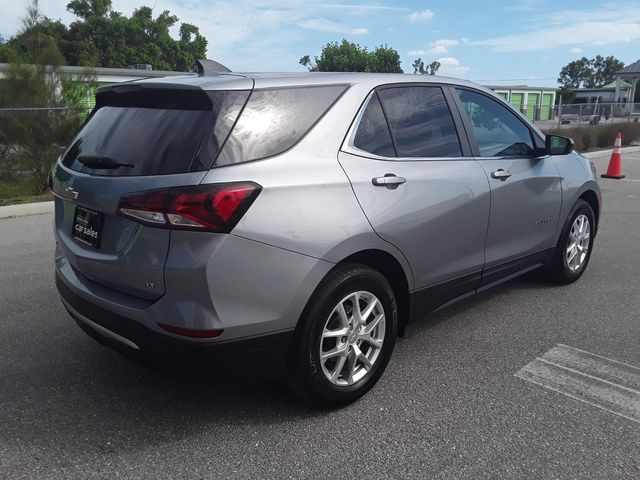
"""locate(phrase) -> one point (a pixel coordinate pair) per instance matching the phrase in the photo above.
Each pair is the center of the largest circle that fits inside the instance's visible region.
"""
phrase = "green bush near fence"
(600, 136)
(39, 115)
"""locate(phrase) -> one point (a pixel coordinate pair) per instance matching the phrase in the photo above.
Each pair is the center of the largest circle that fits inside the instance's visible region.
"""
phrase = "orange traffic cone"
(615, 164)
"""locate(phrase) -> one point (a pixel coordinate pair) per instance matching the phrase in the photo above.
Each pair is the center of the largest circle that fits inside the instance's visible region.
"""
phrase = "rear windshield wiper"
(98, 162)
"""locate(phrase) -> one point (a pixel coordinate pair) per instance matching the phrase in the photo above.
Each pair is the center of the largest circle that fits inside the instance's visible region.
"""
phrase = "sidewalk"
(9, 211)
(603, 153)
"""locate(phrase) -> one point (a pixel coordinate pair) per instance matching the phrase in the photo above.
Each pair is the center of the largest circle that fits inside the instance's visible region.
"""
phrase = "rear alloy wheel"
(575, 244)
(345, 337)
(352, 339)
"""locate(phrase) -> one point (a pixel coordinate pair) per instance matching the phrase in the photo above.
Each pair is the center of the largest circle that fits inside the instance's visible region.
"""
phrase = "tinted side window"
(498, 132)
(274, 120)
(373, 132)
(420, 122)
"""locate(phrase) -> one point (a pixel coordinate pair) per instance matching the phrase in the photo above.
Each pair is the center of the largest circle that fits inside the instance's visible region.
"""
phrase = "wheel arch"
(591, 198)
(390, 267)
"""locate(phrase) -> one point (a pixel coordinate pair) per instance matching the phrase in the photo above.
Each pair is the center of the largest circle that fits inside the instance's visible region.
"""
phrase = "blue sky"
(492, 42)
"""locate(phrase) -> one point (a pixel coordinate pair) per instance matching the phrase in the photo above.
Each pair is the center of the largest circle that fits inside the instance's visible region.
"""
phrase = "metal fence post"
(580, 115)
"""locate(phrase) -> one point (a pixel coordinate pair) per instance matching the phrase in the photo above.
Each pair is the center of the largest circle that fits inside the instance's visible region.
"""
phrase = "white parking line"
(630, 179)
(598, 381)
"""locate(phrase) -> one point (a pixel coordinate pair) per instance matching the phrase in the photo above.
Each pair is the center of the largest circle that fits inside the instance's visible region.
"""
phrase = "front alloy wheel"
(575, 245)
(578, 245)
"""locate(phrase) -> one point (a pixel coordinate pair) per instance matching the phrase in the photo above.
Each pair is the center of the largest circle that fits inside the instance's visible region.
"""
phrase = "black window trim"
(465, 146)
(536, 141)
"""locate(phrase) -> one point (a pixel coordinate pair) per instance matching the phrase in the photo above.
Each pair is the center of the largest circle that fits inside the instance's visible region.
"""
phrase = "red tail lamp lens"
(213, 208)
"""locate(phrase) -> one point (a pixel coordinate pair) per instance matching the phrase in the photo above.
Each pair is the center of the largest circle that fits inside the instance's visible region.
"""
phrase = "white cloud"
(444, 42)
(355, 6)
(414, 53)
(325, 25)
(449, 62)
(438, 50)
(421, 16)
(592, 27)
(439, 47)
(451, 66)
(575, 50)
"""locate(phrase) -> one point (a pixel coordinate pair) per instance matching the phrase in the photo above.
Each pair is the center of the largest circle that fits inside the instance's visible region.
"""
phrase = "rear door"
(526, 193)
(420, 187)
(140, 137)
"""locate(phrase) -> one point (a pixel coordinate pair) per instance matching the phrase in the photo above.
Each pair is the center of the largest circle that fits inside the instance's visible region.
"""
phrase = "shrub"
(39, 115)
(600, 136)
(586, 140)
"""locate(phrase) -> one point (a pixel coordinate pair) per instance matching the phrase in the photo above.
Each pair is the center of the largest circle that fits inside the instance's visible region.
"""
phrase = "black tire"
(305, 375)
(558, 270)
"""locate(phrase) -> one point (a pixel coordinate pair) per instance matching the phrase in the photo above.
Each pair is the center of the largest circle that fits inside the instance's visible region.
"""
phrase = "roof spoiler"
(210, 67)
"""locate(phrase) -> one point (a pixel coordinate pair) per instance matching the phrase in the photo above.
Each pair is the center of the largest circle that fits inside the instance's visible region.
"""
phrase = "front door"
(526, 193)
(420, 187)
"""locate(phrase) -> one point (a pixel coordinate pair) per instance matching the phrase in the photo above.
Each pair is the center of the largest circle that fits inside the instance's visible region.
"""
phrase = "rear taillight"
(211, 208)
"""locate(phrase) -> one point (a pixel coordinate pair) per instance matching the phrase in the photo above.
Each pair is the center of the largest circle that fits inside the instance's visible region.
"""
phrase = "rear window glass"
(154, 133)
(420, 122)
(373, 132)
(274, 120)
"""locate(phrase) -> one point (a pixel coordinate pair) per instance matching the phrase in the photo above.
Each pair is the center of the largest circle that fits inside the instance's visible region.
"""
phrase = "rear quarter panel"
(307, 204)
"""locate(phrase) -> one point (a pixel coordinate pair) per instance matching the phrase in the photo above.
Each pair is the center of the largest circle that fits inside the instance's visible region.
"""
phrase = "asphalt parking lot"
(449, 406)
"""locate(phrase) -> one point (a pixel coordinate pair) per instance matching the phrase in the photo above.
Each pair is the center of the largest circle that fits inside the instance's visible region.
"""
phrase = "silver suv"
(295, 223)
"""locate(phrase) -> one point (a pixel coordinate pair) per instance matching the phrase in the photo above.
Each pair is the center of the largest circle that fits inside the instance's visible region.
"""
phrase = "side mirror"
(557, 145)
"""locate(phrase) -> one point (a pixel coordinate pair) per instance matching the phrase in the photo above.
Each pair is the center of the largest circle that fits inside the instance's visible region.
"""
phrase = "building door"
(545, 110)
(532, 104)
(517, 101)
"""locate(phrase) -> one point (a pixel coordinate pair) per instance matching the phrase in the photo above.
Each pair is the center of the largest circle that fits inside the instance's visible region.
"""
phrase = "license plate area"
(87, 226)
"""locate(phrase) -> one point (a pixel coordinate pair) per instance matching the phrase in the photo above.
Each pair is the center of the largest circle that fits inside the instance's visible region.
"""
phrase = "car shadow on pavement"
(90, 398)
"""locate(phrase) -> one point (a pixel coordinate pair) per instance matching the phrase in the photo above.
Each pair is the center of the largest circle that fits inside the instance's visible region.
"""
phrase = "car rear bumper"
(261, 356)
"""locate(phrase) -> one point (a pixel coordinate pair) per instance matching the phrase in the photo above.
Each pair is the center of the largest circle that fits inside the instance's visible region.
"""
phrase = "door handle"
(389, 180)
(501, 174)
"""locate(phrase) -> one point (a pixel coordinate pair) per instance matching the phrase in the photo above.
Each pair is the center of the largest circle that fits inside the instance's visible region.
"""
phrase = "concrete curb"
(10, 211)
(604, 153)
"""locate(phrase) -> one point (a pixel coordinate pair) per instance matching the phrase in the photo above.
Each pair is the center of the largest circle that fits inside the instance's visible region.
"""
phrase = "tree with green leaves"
(347, 56)
(40, 106)
(103, 37)
(419, 67)
(590, 73)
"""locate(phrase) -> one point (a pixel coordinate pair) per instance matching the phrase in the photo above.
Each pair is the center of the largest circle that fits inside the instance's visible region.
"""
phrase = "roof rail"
(210, 67)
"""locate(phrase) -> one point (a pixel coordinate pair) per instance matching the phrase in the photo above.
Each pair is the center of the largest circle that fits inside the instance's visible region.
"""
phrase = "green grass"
(21, 191)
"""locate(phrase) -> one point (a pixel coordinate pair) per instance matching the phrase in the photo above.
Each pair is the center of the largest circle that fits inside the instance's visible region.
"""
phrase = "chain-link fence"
(581, 114)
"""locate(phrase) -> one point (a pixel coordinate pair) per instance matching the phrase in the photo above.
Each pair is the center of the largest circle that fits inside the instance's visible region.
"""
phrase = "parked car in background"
(297, 222)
